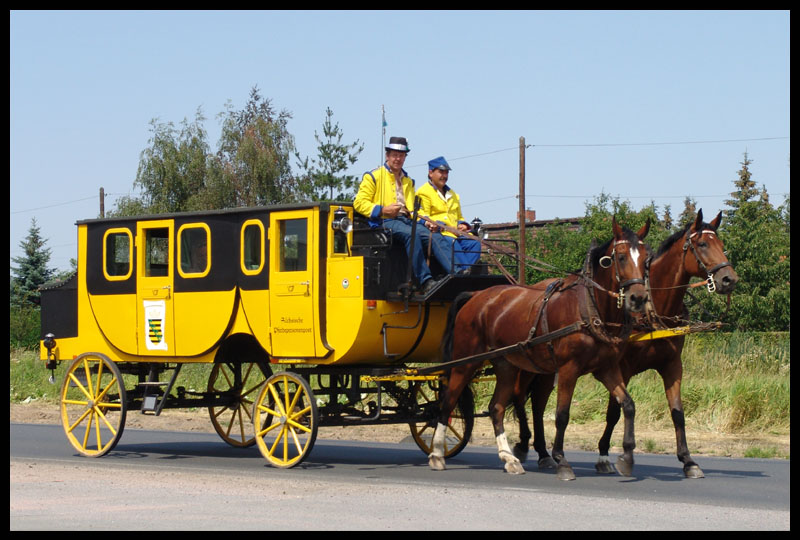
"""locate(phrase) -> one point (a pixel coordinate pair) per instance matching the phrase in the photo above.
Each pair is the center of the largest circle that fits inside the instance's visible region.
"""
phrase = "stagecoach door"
(291, 296)
(154, 294)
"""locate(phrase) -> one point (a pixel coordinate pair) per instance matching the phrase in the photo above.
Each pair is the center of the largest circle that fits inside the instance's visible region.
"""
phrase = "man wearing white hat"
(386, 197)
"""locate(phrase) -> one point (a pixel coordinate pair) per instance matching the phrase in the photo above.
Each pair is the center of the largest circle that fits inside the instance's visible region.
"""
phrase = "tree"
(172, 169)
(745, 187)
(689, 212)
(322, 179)
(756, 237)
(252, 166)
(566, 249)
(32, 271)
(666, 221)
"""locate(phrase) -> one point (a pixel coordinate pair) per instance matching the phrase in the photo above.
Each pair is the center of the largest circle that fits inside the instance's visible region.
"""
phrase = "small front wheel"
(93, 404)
(286, 419)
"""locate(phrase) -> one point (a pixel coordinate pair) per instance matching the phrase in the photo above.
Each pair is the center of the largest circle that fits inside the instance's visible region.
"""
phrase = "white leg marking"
(512, 464)
(438, 440)
(503, 449)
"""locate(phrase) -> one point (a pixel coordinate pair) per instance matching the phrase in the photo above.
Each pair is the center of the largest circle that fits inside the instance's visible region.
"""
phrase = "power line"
(660, 143)
(611, 144)
(527, 197)
(63, 203)
(54, 205)
(504, 150)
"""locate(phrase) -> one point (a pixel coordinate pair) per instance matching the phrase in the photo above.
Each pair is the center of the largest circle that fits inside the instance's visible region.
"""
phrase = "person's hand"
(463, 227)
(394, 210)
(432, 226)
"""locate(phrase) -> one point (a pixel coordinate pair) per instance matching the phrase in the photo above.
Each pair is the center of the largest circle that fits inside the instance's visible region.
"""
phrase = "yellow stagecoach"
(305, 321)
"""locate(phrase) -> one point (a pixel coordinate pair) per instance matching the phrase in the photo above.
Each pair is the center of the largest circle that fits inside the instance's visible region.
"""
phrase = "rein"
(529, 261)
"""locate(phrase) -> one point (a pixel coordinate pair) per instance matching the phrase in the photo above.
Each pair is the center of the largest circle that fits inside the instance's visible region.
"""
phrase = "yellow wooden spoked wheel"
(93, 404)
(459, 425)
(234, 422)
(286, 419)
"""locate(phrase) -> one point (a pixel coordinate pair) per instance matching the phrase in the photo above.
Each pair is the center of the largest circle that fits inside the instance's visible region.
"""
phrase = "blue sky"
(629, 103)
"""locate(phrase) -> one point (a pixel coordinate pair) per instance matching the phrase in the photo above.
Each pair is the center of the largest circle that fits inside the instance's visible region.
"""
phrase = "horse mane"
(678, 235)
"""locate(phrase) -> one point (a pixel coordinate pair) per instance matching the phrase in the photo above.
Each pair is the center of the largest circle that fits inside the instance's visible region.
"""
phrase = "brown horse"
(694, 251)
(587, 316)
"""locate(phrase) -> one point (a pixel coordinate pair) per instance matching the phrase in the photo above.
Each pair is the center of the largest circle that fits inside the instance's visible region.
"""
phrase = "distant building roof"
(503, 229)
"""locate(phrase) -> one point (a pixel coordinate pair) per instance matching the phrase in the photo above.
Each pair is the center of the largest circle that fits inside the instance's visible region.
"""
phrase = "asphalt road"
(158, 480)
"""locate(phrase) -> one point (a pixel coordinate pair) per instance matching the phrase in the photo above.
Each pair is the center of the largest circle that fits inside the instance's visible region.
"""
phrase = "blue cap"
(438, 163)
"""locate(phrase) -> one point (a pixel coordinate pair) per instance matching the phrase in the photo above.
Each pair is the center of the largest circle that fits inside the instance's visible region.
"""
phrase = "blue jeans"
(441, 250)
(401, 229)
(467, 252)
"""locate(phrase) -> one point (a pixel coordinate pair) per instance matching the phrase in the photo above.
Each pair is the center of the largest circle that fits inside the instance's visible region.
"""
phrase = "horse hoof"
(604, 467)
(693, 471)
(623, 467)
(436, 463)
(521, 452)
(547, 463)
(565, 472)
(514, 467)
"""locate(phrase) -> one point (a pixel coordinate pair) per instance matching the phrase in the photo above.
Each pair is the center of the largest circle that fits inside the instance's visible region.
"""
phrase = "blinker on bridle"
(711, 285)
(606, 261)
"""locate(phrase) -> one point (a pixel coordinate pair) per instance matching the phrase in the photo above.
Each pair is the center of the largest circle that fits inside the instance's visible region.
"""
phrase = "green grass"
(732, 383)
(757, 452)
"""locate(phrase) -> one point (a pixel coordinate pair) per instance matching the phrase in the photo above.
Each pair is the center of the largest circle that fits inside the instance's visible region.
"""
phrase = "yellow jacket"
(377, 189)
(441, 208)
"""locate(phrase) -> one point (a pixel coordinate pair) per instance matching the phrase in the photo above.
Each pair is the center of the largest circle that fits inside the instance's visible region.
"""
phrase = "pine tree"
(666, 221)
(689, 212)
(323, 179)
(757, 240)
(32, 271)
(745, 188)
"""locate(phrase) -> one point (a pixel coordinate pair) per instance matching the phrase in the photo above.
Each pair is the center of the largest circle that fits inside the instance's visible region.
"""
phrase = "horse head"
(709, 259)
(622, 265)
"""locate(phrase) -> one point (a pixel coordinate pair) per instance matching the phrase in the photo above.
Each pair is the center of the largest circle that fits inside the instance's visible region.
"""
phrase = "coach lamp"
(476, 226)
(50, 344)
(342, 226)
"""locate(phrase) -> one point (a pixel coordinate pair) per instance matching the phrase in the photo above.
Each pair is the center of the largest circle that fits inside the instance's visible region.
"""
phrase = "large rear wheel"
(234, 422)
(459, 425)
(286, 419)
(93, 404)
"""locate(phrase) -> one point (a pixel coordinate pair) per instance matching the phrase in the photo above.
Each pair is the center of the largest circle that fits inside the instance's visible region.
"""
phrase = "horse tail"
(447, 338)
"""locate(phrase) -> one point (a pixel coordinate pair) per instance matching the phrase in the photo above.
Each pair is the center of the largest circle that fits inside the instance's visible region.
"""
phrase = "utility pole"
(522, 280)
(102, 204)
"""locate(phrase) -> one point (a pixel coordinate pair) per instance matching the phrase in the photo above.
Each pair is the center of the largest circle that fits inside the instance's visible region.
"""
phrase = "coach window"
(194, 248)
(252, 247)
(156, 254)
(294, 242)
(117, 254)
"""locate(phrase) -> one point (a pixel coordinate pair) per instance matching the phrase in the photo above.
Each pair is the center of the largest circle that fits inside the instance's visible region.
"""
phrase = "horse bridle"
(710, 283)
(607, 261)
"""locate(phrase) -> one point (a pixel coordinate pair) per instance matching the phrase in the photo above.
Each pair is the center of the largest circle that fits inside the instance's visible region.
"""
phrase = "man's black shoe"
(428, 286)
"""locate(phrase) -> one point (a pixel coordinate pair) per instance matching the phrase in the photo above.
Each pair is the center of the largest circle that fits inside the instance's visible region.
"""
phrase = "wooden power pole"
(102, 204)
(522, 280)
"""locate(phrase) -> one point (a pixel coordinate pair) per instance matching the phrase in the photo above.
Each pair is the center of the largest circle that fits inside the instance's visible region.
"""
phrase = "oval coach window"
(117, 251)
(194, 249)
(252, 247)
